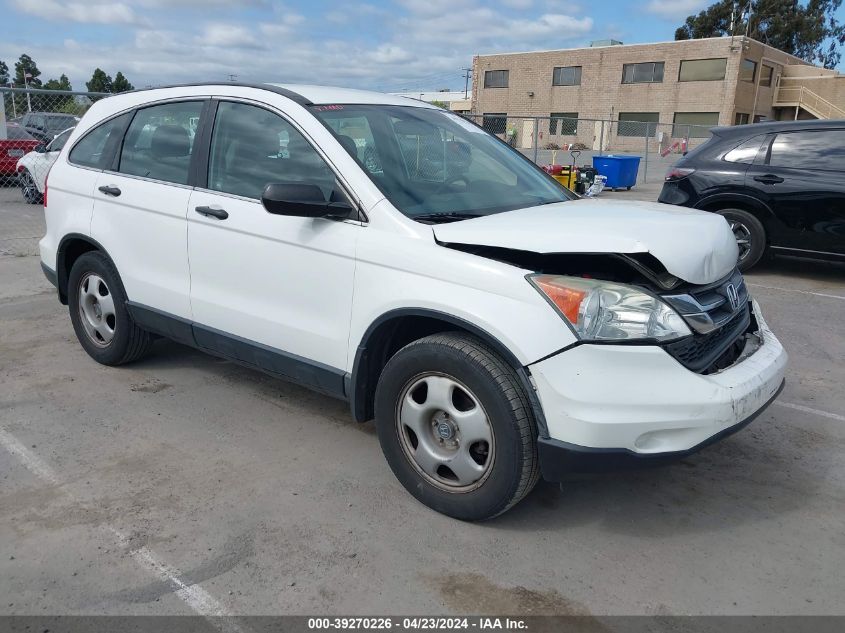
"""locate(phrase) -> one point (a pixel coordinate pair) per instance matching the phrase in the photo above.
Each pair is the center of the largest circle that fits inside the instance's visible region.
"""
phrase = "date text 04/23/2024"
(417, 623)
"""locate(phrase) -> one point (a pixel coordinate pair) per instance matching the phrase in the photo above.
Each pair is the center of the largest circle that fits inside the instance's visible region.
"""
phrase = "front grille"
(719, 316)
(700, 352)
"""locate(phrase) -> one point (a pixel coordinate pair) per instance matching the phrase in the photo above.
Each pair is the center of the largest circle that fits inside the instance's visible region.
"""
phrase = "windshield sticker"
(324, 108)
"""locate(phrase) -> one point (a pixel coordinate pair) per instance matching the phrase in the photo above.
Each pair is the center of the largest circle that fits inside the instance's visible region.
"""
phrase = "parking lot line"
(803, 292)
(197, 598)
(801, 407)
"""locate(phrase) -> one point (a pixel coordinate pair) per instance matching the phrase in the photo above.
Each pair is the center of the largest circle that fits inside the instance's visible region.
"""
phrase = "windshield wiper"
(448, 216)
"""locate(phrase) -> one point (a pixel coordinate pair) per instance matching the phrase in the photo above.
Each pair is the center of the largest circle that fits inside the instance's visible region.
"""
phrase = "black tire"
(129, 342)
(30, 192)
(745, 225)
(514, 469)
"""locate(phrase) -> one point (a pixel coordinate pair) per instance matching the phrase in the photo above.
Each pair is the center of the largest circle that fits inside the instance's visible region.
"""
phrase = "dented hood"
(695, 246)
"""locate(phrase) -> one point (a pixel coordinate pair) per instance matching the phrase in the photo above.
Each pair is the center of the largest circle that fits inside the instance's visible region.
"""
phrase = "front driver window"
(252, 147)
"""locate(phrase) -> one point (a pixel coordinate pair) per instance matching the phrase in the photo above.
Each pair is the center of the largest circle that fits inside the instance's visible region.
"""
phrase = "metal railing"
(802, 97)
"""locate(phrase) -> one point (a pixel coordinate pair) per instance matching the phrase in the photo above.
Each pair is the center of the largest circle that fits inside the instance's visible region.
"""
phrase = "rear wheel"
(456, 427)
(97, 305)
(750, 236)
(29, 189)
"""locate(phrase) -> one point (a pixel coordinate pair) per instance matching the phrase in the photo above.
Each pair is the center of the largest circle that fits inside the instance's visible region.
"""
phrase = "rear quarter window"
(746, 151)
(96, 149)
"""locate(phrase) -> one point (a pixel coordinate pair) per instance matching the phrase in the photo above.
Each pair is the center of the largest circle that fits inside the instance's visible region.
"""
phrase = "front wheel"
(456, 427)
(750, 236)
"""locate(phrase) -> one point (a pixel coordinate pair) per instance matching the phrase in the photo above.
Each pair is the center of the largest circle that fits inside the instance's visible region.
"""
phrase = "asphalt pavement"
(186, 484)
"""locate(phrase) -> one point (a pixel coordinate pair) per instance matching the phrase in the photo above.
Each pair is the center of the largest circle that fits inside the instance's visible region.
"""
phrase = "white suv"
(392, 254)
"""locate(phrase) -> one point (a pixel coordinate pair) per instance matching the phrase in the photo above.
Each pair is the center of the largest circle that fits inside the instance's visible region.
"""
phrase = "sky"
(386, 45)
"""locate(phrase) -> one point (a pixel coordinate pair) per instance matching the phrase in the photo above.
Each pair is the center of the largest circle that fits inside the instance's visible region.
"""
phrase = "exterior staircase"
(804, 98)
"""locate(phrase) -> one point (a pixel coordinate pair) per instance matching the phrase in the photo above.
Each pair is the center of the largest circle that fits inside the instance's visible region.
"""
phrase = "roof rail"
(290, 94)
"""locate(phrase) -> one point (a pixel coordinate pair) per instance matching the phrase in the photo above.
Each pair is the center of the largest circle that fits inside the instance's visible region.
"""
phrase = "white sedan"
(32, 168)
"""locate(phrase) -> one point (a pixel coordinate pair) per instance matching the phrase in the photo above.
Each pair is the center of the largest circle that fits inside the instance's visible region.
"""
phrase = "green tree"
(4, 73)
(60, 102)
(27, 65)
(100, 82)
(62, 83)
(121, 83)
(809, 30)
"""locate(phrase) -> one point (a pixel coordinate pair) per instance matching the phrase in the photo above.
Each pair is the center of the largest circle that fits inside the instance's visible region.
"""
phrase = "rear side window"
(746, 152)
(159, 141)
(97, 147)
(816, 149)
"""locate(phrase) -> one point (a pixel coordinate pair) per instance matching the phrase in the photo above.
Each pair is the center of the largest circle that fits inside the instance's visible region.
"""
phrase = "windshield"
(430, 163)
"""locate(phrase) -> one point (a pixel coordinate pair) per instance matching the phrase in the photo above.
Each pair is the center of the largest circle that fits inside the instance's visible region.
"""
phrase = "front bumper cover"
(612, 406)
(559, 459)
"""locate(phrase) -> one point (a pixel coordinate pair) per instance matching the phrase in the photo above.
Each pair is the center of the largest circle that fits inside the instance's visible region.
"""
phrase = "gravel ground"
(184, 483)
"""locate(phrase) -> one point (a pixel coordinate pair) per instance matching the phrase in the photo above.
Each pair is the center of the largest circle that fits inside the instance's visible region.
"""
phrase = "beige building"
(668, 89)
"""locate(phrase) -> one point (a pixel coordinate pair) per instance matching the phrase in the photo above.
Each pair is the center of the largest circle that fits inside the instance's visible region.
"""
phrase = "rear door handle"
(110, 190)
(213, 212)
(768, 179)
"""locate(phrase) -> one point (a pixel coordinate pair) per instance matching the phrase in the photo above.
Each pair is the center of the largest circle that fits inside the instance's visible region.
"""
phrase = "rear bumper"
(612, 406)
(50, 274)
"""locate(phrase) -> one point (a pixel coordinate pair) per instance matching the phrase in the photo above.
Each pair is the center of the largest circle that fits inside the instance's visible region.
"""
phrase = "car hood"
(695, 246)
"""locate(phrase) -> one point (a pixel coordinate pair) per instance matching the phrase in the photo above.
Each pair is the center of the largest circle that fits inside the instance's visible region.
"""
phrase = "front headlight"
(607, 311)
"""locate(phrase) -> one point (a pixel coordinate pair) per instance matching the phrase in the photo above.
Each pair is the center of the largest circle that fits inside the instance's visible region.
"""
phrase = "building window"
(747, 70)
(637, 123)
(496, 79)
(703, 69)
(647, 73)
(567, 76)
(766, 73)
(741, 118)
(694, 124)
(565, 123)
(494, 122)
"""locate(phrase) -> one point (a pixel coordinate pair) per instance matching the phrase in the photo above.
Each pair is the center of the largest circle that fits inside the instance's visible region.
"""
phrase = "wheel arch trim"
(62, 273)
(738, 198)
(360, 390)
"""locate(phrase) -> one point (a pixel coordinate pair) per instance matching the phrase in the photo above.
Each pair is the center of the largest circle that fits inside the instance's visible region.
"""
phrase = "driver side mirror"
(41, 148)
(300, 200)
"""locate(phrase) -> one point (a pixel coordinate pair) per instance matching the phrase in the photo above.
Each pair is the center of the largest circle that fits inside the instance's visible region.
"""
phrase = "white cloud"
(219, 34)
(390, 54)
(675, 9)
(518, 4)
(421, 44)
(91, 12)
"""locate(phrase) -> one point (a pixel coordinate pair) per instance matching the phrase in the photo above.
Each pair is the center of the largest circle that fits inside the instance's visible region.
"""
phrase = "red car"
(17, 143)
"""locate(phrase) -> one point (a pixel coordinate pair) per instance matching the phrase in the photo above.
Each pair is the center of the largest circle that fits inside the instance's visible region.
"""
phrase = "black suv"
(781, 185)
(46, 125)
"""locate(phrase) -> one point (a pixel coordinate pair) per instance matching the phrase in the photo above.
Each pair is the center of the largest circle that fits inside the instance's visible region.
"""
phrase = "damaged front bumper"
(616, 406)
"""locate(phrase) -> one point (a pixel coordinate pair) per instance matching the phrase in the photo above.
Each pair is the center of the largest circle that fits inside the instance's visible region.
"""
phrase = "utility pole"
(467, 73)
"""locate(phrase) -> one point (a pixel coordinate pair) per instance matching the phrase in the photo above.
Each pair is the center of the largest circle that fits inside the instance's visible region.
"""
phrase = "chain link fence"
(34, 125)
(549, 140)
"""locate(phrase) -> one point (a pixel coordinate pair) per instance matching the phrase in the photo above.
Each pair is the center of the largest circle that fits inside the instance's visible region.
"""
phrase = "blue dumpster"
(621, 170)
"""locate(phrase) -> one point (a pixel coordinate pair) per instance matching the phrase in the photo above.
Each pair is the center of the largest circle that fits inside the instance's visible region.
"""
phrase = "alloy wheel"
(742, 234)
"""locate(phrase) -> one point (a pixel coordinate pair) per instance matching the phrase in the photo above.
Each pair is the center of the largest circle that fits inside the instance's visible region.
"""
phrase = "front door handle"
(768, 179)
(212, 212)
(110, 190)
